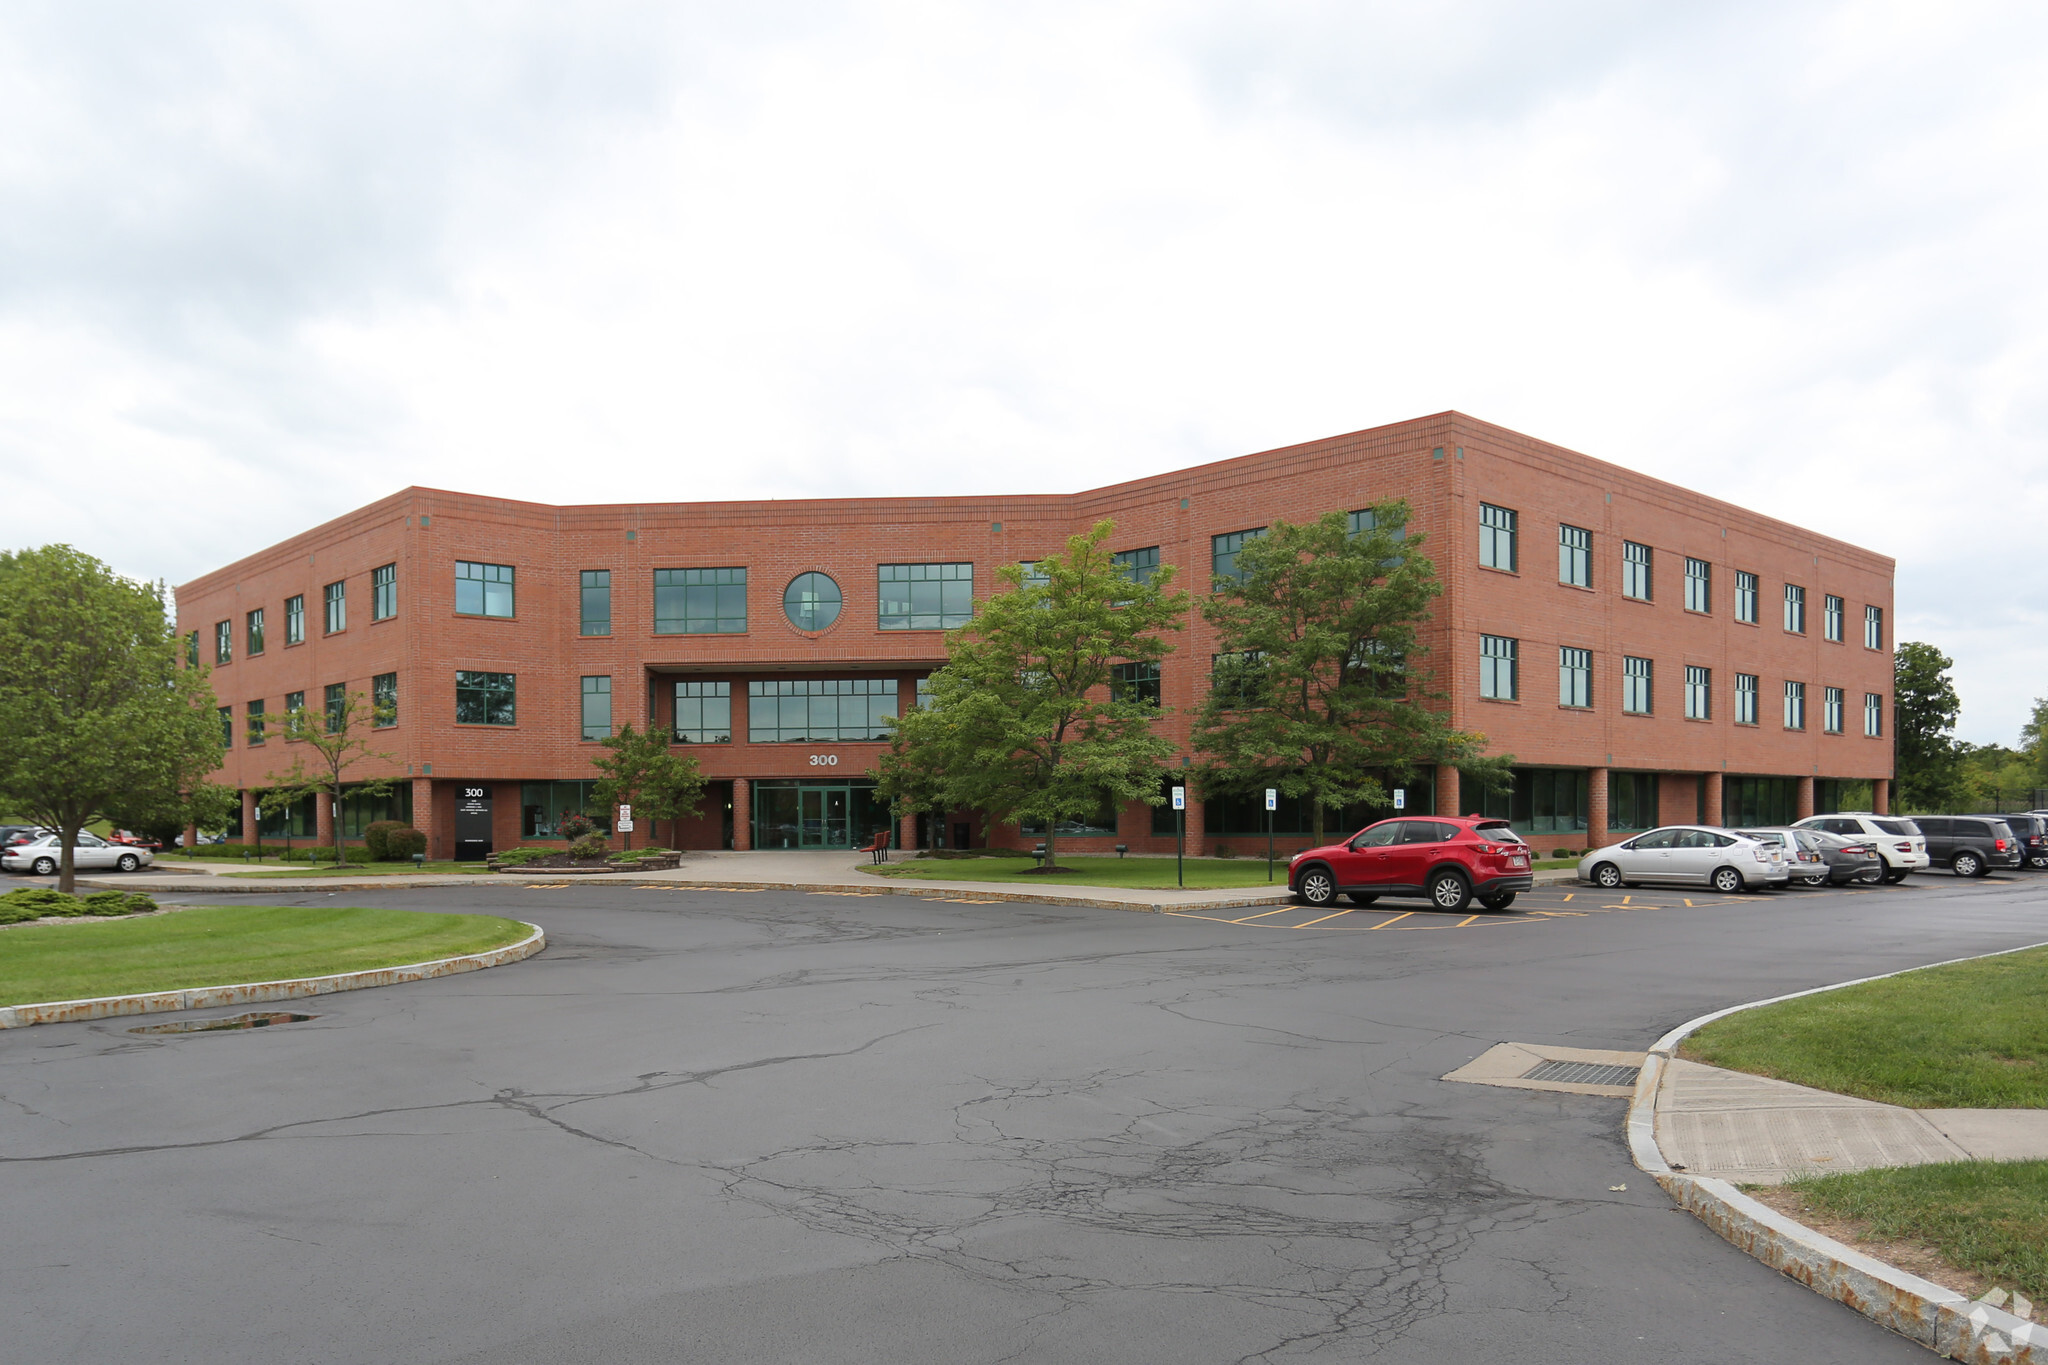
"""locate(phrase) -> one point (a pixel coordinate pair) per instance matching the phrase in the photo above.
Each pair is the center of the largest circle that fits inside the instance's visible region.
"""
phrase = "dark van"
(1970, 845)
(2032, 831)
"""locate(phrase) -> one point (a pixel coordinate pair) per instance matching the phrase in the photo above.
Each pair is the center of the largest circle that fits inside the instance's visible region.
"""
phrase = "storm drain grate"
(1584, 1073)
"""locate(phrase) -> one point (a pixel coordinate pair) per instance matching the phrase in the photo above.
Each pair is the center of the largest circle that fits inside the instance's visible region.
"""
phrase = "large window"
(254, 722)
(1542, 801)
(597, 707)
(1635, 686)
(295, 620)
(1097, 822)
(1873, 714)
(1367, 519)
(1751, 801)
(1795, 706)
(1699, 585)
(486, 698)
(926, 596)
(294, 705)
(1873, 627)
(811, 601)
(253, 632)
(1238, 680)
(1497, 667)
(1574, 677)
(384, 593)
(384, 699)
(1223, 552)
(227, 726)
(192, 650)
(1575, 556)
(1699, 692)
(1497, 537)
(1745, 596)
(336, 698)
(696, 602)
(1832, 710)
(1137, 565)
(483, 589)
(1635, 571)
(594, 602)
(1135, 682)
(819, 710)
(223, 642)
(703, 713)
(1795, 609)
(1745, 698)
(1831, 618)
(1632, 801)
(359, 810)
(335, 598)
(542, 805)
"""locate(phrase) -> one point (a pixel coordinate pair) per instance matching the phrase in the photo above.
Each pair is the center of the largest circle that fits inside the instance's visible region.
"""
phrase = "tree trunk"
(334, 820)
(67, 858)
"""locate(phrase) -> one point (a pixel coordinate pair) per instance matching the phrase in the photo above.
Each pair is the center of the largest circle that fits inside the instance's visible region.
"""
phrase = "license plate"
(1518, 861)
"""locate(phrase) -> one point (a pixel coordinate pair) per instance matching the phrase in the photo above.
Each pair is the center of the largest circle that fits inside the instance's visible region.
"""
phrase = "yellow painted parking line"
(545, 886)
(1469, 918)
(1395, 920)
(1263, 913)
(1625, 900)
(1688, 903)
(846, 893)
(1569, 894)
(1312, 923)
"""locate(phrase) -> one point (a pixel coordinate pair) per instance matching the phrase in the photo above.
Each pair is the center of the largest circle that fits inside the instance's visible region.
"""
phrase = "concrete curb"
(298, 988)
(1939, 1319)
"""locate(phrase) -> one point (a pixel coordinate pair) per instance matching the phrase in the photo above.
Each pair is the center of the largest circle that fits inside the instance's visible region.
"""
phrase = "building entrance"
(816, 814)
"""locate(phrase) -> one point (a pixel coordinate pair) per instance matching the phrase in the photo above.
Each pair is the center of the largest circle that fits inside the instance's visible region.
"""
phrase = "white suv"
(1897, 840)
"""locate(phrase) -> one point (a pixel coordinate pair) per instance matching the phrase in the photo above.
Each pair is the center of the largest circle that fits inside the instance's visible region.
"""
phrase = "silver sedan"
(1688, 855)
(43, 856)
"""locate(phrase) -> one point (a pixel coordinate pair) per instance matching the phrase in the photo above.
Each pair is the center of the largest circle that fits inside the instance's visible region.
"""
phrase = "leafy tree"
(100, 717)
(1024, 724)
(2034, 741)
(335, 735)
(639, 771)
(1316, 690)
(1926, 756)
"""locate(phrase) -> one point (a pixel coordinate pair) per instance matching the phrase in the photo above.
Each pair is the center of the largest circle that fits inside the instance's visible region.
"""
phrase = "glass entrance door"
(823, 817)
(790, 814)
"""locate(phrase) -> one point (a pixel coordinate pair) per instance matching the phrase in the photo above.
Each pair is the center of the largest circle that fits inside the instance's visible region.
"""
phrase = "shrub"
(591, 845)
(37, 902)
(358, 854)
(574, 826)
(401, 843)
(520, 857)
(1225, 851)
(376, 838)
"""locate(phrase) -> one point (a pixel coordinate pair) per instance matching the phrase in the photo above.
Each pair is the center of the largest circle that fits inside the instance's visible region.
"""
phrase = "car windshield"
(1763, 836)
(1501, 833)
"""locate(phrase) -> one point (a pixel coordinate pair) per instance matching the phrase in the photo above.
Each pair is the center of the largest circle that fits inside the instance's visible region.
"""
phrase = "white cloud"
(259, 264)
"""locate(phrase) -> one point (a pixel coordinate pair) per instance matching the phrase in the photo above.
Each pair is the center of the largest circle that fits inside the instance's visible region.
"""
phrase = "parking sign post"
(1272, 801)
(1180, 807)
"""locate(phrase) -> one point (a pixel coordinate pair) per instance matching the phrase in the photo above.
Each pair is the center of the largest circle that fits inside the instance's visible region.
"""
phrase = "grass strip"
(1150, 874)
(229, 945)
(1990, 1217)
(1972, 1035)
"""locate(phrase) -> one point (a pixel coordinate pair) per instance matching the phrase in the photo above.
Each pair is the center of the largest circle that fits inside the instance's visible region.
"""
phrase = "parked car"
(1820, 859)
(45, 854)
(19, 834)
(1449, 859)
(2031, 829)
(1970, 845)
(1897, 840)
(1691, 855)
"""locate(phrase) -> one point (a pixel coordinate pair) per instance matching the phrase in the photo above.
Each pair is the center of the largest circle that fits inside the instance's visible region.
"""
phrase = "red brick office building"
(1648, 655)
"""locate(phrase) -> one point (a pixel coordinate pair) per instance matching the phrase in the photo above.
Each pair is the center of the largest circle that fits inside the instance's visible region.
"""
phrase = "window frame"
(1834, 708)
(483, 595)
(1499, 667)
(1138, 681)
(383, 700)
(1699, 587)
(295, 619)
(1133, 565)
(1873, 715)
(1699, 692)
(333, 701)
(1795, 609)
(584, 588)
(223, 643)
(1748, 597)
(700, 733)
(481, 694)
(1795, 705)
(870, 730)
(252, 723)
(1575, 678)
(252, 632)
(1873, 626)
(226, 715)
(1574, 559)
(1499, 529)
(588, 696)
(384, 592)
(1638, 685)
(1218, 553)
(686, 592)
(1833, 618)
(955, 608)
(1637, 571)
(334, 607)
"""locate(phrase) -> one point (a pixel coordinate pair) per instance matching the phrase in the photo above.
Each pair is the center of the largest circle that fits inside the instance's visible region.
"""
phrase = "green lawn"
(1969, 1036)
(1151, 874)
(227, 945)
(1986, 1216)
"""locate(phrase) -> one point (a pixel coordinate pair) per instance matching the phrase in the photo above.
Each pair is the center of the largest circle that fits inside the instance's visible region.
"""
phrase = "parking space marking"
(1395, 920)
(1532, 907)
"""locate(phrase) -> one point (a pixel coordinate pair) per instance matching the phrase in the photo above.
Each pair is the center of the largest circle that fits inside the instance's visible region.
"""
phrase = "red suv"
(1448, 858)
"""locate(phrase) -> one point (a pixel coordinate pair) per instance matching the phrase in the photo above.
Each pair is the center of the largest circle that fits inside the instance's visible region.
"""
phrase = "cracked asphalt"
(786, 1127)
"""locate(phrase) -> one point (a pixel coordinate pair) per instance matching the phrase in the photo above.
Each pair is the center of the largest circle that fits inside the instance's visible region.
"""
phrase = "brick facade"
(1446, 466)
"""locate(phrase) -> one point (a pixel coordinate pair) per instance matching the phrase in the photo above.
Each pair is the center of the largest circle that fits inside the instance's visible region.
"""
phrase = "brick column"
(1197, 829)
(1881, 795)
(1713, 815)
(248, 816)
(742, 814)
(1805, 798)
(423, 816)
(906, 832)
(323, 820)
(1447, 794)
(1596, 808)
(191, 837)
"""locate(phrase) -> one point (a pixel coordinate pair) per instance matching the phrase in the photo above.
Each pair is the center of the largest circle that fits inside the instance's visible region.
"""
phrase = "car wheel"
(129, 862)
(45, 866)
(1363, 897)
(1316, 887)
(2041, 863)
(1967, 864)
(1498, 901)
(1821, 880)
(1727, 879)
(1607, 875)
(1894, 875)
(1448, 892)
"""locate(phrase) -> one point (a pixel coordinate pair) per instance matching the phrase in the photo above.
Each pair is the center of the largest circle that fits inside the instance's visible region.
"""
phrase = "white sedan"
(44, 855)
(1691, 855)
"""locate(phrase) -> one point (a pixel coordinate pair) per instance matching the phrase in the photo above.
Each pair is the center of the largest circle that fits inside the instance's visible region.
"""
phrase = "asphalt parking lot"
(773, 1126)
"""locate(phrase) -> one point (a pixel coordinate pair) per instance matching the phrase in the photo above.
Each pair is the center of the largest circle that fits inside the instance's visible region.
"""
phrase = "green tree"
(639, 771)
(1926, 757)
(102, 721)
(2034, 741)
(1024, 724)
(1317, 690)
(335, 736)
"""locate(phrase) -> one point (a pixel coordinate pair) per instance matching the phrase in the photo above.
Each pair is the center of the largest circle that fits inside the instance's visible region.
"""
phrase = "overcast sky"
(262, 263)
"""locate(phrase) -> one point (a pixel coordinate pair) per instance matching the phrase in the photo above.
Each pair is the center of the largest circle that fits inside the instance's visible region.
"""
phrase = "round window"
(811, 602)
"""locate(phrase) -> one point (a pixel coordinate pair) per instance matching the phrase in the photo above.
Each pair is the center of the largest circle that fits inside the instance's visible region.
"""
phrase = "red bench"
(877, 848)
